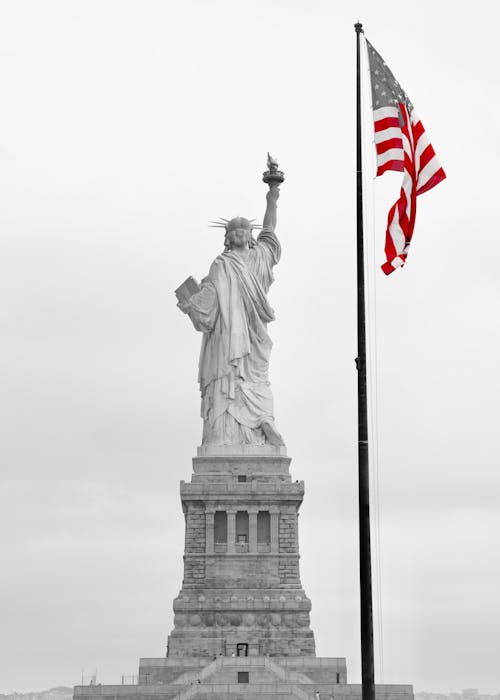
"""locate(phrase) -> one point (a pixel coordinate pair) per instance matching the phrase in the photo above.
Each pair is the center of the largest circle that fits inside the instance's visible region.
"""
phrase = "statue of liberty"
(231, 310)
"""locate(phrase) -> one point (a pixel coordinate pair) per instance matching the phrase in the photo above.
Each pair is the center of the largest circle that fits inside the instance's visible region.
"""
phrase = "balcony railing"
(242, 547)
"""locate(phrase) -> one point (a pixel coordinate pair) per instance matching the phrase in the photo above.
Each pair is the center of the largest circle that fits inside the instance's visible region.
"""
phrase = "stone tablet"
(187, 289)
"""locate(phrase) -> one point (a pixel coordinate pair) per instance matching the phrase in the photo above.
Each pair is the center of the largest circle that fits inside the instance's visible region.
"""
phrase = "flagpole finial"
(358, 27)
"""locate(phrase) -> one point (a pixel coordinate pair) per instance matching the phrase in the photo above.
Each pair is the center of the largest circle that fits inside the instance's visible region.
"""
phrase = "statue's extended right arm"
(267, 237)
(270, 217)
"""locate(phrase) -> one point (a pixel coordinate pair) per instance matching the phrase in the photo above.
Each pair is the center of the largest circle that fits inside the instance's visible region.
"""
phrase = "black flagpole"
(365, 570)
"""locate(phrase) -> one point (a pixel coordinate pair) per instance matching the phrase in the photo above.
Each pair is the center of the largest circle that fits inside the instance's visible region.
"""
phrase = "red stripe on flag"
(409, 164)
(390, 248)
(418, 129)
(388, 268)
(386, 123)
(388, 144)
(404, 219)
(426, 156)
(438, 177)
(390, 165)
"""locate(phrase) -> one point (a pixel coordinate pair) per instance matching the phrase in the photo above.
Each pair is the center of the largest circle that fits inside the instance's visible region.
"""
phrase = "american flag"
(401, 144)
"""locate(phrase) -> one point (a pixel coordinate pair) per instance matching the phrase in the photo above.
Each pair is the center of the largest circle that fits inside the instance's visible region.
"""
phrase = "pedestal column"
(231, 531)
(209, 531)
(274, 530)
(252, 530)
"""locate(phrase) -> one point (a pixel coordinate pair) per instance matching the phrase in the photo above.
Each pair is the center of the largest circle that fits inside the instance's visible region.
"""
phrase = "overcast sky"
(125, 127)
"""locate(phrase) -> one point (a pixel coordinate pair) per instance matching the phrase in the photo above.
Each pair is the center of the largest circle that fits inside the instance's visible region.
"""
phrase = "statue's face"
(239, 237)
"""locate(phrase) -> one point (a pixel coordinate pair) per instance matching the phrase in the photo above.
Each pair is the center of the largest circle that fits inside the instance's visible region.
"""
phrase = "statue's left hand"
(184, 306)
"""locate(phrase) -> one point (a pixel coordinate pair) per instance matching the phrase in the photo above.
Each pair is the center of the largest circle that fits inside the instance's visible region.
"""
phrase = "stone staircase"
(264, 692)
(275, 681)
(193, 676)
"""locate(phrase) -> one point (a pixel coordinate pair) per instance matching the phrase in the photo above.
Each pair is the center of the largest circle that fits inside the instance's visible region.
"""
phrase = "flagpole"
(365, 573)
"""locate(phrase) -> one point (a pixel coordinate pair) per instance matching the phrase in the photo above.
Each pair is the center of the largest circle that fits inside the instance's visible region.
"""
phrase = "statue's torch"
(273, 177)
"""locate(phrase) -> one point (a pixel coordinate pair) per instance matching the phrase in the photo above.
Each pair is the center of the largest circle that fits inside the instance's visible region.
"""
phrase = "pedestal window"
(220, 527)
(264, 527)
(242, 531)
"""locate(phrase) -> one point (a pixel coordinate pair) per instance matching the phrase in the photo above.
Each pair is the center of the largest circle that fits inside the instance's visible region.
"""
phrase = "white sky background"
(125, 128)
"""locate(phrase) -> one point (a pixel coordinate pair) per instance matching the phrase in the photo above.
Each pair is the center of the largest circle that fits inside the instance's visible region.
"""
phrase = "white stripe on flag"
(397, 235)
(407, 186)
(384, 112)
(391, 154)
(393, 132)
(426, 173)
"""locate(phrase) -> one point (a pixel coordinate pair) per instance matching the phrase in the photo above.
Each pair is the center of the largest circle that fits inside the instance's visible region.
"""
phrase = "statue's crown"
(237, 222)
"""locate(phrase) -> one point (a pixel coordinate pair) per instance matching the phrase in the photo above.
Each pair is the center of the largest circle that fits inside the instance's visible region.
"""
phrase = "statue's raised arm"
(273, 177)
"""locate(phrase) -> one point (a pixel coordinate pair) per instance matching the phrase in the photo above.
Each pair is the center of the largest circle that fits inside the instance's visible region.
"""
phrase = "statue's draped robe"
(232, 312)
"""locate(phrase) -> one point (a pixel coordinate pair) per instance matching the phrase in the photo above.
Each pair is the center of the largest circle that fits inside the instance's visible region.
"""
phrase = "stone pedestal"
(241, 624)
(241, 591)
